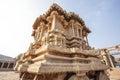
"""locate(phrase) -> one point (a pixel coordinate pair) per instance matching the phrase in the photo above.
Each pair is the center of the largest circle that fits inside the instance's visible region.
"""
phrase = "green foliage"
(18, 57)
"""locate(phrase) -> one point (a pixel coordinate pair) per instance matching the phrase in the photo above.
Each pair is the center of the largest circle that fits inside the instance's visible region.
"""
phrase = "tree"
(18, 57)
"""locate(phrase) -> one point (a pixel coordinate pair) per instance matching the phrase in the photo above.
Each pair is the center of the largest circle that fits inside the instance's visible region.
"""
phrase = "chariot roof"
(67, 16)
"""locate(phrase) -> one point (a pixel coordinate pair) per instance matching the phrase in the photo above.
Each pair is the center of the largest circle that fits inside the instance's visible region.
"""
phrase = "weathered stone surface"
(61, 51)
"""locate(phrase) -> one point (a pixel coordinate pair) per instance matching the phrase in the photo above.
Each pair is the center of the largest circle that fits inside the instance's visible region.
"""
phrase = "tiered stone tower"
(60, 50)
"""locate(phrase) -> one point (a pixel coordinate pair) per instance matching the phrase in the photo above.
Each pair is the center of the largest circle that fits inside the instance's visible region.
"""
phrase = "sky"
(18, 16)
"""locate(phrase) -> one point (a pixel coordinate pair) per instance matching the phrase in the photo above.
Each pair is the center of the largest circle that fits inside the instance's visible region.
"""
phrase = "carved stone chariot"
(60, 50)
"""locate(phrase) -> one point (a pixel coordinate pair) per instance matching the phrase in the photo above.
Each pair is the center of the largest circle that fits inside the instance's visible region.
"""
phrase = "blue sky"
(18, 16)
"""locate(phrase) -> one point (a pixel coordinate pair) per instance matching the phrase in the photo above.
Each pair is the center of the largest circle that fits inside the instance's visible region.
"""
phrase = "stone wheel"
(74, 77)
(102, 76)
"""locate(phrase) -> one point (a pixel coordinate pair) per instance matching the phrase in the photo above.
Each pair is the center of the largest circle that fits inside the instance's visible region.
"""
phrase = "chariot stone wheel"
(102, 76)
(74, 77)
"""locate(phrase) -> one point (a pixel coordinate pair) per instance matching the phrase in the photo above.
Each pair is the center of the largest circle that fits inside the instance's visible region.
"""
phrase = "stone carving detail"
(61, 51)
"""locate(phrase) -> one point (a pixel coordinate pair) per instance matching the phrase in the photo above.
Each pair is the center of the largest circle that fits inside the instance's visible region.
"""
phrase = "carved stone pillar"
(64, 44)
(56, 42)
(77, 31)
(73, 30)
(87, 40)
(111, 62)
(80, 32)
(8, 65)
(2, 64)
(41, 33)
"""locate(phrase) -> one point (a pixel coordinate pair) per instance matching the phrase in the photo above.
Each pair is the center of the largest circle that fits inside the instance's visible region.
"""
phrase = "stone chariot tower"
(60, 50)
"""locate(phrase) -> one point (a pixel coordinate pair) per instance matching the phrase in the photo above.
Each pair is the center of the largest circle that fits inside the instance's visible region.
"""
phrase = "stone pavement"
(9, 75)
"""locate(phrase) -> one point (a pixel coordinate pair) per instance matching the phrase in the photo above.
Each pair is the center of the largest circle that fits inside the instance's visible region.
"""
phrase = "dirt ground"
(9, 75)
